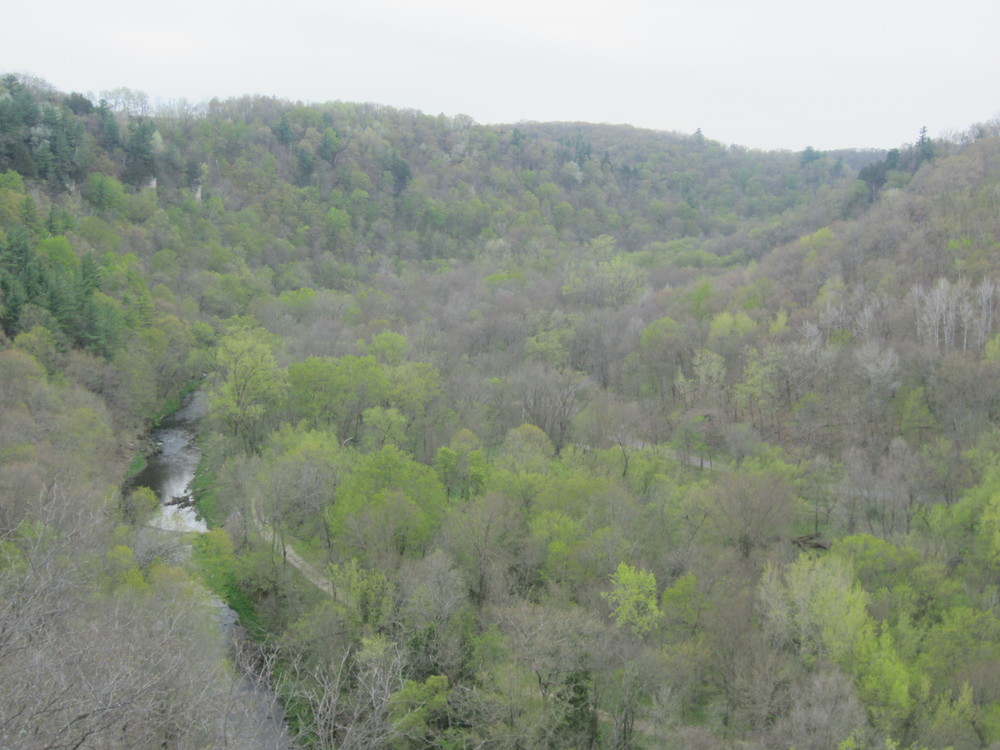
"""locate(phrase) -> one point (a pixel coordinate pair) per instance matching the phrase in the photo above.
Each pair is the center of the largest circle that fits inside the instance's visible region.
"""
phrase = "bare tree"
(824, 712)
(550, 399)
(93, 655)
(345, 699)
(750, 510)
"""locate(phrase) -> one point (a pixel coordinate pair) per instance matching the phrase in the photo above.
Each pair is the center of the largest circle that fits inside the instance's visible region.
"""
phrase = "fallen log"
(810, 541)
(180, 501)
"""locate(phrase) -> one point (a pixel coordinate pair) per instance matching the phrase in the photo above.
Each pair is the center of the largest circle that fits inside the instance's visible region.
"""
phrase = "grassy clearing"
(136, 465)
(206, 501)
(218, 567)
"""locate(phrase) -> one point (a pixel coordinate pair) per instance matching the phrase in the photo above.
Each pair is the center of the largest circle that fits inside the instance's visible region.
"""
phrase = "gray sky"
(762, 73)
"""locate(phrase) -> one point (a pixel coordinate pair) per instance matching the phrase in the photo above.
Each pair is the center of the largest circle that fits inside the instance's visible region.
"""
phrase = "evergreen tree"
(140, 165)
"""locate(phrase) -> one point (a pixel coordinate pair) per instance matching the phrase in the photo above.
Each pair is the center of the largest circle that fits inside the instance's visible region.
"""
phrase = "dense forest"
(550, 435)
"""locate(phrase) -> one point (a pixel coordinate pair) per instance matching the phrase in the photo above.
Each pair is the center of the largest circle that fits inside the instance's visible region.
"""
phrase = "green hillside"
(549, 435)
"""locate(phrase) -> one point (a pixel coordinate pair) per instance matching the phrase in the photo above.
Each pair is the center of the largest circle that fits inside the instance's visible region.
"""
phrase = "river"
(169, 472)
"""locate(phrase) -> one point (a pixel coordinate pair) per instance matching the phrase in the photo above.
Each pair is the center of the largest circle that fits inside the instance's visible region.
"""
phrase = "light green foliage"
(970, 525)
(612, 281)
(567, 543)
(231, 294)
(383, 426)
(708, 378)
(84, 438)
(519, 468)
(884, 682)
(414, 388)
(660, 335)
(336, 391)
(337, 224)
(962, 642)
(586, 523)
(531, 271)
(989, 529)
(818, 242)
(41, 344)
(176, 351)
(419, 712)
(654, 364)
(700, 298)
(12, 185)
(366, 596)
(952, 722)
(387, 506)
(877, 563)
(138, 505)
(298, 303)
(250, 385)
(550, 345)
(726, 324)
(389, 348)
(121, 570)
(633, 599)
(296, 480)
(830, 294)
(526, 449)
(682, 604)
(57, 255)
(916, 421)
(991, 352)
(759, 395)
(99, 233)
(900, 583)
(103, 192)
(815, 607)
(214, 556)
(779, 324)
(462, 466)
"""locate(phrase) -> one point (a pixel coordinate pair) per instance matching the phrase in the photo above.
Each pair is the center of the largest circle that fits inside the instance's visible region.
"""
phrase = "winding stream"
(169, 472)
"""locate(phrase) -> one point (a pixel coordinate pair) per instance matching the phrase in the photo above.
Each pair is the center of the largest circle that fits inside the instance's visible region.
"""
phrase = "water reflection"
(170, 470)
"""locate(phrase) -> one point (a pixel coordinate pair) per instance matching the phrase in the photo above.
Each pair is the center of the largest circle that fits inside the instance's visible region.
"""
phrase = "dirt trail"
(309, 571)
(292, 557)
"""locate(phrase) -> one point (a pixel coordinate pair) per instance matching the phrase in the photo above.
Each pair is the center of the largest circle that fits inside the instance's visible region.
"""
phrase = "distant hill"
(600, 436)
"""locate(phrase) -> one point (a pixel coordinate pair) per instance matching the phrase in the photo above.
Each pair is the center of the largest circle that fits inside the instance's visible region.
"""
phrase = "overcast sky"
(762, 73)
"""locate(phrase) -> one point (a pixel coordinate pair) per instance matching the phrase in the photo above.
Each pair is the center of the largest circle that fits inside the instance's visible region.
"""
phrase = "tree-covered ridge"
(601, 437)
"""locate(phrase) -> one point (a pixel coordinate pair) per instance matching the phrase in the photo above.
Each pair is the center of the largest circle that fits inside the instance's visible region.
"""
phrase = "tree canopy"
(557, 435)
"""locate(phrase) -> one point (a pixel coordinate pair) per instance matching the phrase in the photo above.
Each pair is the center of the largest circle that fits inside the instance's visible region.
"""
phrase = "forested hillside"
(538, 436)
